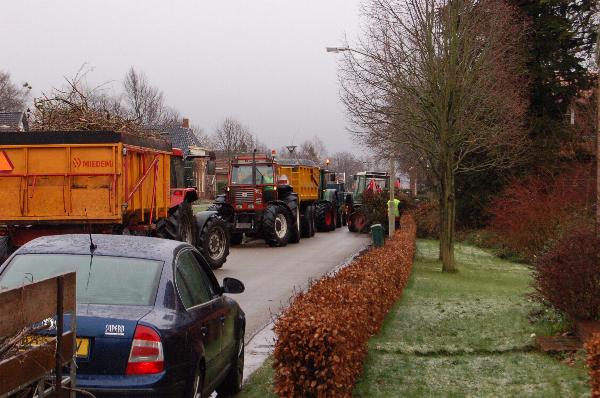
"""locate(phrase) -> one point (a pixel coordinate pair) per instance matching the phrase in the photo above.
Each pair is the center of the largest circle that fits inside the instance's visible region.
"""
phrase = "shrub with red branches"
(568, 276)
(532, 214)
(323, 335)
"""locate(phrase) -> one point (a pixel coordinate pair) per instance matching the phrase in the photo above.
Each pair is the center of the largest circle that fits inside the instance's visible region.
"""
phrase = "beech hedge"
(593, 361)
(323, 334)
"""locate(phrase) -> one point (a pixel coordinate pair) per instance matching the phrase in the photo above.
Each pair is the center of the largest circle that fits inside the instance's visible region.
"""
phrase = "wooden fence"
(37, 364)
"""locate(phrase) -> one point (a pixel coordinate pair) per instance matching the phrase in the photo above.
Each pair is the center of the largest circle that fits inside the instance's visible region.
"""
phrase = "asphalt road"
(272, 274)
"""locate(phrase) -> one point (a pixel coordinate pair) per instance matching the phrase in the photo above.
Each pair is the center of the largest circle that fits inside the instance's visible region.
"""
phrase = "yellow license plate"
(83, 344)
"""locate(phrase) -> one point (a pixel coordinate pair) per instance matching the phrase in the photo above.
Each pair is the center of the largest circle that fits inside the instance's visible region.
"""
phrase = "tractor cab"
(253, 181)
(370, 180)
(181, 187)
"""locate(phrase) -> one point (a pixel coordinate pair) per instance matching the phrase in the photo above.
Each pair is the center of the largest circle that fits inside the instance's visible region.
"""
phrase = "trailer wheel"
(213, 242)
(4, 248)
(179, 225)
(324, 217)
(276, 225)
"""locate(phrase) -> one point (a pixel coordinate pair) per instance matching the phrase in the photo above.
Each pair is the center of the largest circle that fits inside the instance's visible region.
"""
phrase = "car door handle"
(222, 318)
(204, 331)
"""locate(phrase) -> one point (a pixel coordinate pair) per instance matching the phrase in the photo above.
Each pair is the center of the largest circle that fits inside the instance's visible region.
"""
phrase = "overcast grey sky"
(261, 61)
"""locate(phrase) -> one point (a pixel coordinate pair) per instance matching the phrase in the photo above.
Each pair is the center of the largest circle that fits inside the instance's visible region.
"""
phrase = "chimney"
(186, 123)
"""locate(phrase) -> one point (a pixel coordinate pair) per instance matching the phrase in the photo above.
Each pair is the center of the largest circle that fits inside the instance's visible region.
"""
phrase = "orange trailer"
(85, 178)
(92, 181)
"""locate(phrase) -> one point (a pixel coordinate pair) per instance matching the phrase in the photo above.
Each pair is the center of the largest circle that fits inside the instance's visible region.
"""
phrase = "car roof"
(106, 245)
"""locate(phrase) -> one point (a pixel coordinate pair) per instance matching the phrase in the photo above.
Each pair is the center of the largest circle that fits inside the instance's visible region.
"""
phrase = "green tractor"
(330, 212)
(367, 205)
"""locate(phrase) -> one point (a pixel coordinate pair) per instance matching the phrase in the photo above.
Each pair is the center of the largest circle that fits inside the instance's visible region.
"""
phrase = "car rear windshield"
(100, 279)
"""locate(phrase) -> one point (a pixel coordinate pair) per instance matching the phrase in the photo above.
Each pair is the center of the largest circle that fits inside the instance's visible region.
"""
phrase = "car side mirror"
(232, 286)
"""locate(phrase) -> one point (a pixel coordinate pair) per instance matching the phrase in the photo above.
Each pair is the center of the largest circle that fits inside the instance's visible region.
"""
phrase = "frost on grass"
(465, 334)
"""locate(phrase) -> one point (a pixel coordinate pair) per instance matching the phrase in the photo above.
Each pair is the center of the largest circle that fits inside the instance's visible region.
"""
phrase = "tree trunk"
(447, 217)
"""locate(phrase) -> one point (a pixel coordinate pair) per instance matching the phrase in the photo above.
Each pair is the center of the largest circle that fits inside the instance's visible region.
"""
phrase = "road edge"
(261, 344)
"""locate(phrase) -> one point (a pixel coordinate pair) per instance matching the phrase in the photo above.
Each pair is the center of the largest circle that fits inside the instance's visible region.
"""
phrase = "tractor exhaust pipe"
(254, 169)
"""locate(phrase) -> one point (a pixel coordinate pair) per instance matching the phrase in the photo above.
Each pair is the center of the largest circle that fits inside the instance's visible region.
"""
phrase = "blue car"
(152, 319)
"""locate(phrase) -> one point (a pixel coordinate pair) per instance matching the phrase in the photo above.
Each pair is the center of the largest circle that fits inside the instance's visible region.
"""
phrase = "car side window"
(193, 284)
(211, 279)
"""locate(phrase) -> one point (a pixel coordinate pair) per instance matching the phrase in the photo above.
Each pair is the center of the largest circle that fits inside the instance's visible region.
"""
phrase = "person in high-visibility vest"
(396, 206)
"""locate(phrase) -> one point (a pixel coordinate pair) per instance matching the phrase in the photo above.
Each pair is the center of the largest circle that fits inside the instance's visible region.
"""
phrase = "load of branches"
(78, 108)
(20, 341)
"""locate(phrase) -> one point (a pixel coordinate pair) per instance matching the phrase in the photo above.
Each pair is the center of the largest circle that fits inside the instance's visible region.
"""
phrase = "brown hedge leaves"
(323, 335)
(593, 361)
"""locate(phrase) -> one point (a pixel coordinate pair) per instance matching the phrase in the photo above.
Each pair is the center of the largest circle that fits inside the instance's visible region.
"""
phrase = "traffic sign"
(6, 165)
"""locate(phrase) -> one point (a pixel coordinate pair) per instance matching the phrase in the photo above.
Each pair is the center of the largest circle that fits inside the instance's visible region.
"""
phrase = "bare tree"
(201, 135)
(12, 97)
(346, 162)
(145, 102)
(313, 149)
(444, 80)
(232, 137)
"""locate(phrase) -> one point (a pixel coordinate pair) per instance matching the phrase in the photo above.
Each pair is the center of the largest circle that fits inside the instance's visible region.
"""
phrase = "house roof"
(13, 121)
(182, 138)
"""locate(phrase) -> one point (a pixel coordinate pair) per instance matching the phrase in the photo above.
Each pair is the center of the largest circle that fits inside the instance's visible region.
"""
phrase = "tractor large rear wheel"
(305, 222)
(357, 222)
(277, 226)
(295, 232)
(4, 248)
(324, 217)
(213, 242)
(179, 225)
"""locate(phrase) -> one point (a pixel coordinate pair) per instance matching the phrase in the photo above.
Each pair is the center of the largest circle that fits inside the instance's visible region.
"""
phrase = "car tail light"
(146, 356)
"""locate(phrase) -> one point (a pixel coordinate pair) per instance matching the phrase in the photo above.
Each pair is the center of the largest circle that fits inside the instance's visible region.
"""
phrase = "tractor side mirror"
(211, 167)
(232, 286)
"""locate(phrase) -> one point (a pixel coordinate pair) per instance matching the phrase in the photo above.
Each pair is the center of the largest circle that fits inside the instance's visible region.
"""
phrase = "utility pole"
(598, 135)
(391, 210)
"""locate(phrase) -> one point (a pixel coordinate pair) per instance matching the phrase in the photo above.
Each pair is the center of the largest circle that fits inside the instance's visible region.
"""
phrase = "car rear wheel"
(197, 384)
(233, 381)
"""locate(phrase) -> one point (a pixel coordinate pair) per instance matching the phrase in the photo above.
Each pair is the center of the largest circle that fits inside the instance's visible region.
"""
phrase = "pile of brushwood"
(322, 337)
(20, 341)
(75, 108)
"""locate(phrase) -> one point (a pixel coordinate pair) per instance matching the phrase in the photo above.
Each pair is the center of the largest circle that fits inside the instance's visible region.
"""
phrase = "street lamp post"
(391, 211)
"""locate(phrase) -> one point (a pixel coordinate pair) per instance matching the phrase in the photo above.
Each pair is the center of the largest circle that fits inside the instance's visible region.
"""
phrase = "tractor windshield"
(242, 174)
(365, 182)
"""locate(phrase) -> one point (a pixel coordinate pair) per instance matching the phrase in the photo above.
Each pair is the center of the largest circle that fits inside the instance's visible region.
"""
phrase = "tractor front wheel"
(277, 226)
(213, 242)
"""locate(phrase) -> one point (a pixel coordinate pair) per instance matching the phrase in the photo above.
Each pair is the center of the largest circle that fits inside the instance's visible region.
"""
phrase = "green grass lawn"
(465, 334)
(461, 334)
